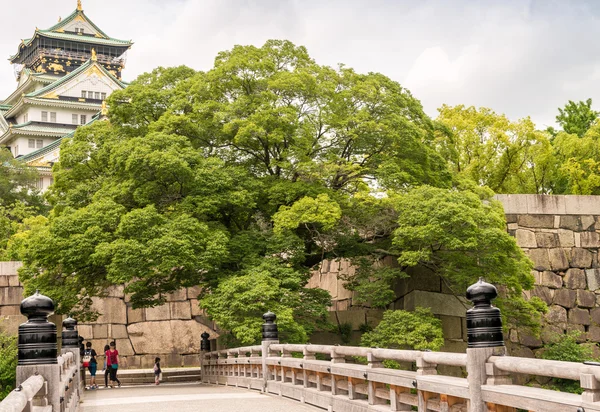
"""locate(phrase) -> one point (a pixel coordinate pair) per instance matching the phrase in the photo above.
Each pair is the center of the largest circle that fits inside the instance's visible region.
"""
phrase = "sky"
(521, 58)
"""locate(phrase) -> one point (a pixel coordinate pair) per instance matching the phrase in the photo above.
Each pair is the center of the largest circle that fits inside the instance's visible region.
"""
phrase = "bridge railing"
(46, 381)
(339, 383)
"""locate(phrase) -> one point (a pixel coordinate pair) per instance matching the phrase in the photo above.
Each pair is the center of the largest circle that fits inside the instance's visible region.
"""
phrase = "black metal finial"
(205, 343)
(484, 323)
(70, 337)
(269, 328)
(37, 337)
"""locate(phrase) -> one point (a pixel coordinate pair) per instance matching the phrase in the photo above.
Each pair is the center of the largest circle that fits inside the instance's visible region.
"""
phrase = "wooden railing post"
(590, 386)
(485, 339)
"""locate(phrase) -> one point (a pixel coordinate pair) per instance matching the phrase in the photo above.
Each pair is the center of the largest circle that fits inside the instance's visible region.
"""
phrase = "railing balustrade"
(329, 377)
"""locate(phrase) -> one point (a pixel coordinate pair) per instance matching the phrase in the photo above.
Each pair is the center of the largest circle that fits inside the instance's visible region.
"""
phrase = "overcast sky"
(521, 58)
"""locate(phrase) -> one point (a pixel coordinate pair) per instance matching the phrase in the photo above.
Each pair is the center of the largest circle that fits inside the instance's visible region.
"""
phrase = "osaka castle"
(64, 74)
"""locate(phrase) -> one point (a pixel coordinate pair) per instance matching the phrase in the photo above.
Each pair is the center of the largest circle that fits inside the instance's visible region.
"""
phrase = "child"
(157, 371)
(89, 361)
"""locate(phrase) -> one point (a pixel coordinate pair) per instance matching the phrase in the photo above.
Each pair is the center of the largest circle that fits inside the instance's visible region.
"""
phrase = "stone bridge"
(289, 377)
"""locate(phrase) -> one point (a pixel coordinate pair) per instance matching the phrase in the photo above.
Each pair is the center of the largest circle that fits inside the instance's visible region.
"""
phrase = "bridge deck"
(186, 398)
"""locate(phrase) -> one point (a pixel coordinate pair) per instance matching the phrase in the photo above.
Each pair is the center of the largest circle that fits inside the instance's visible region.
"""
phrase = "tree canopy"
(242, 178)
(577, 117)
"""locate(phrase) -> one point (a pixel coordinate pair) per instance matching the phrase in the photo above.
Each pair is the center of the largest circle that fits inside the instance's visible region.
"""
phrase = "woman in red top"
(112, 363)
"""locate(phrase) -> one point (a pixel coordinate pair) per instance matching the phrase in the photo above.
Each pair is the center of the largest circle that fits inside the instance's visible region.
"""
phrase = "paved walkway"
(186, 398)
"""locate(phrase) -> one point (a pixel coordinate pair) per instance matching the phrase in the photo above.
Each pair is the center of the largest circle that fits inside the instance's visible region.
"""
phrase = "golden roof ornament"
(104, 111)
(59, 19)
(79, 8)
(94, 56)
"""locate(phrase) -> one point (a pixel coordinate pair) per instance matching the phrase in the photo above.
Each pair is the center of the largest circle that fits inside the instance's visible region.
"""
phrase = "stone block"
(14, 281)
(585, 298)
(593, 279)
(536, 221)
(174, 336)
(594, 333)
(540, 259)
(181, 310)
(526, 238)
(575, 279)
(86, 331)
(556, 315)
(195, 307)
(590, 239)
(544, 293)
(595, 315)
(551, 280)
(529, 340)
(3, 281)
(452, 327)
(100, 331)
(559, 259)
(513, 204)
(135, 315)
(10, 324)
(162, 312)
(118, 332)
(581, 258)
(579, 316)
(551, 333)
(10, 268)
(547, 240)
(112, 310)
(439, 303)
(577, 237)
(11, 295)
(12, 310)
(124, 347)
(191, 360)
(565, 298)
(116, 291)
(511, 218)
(570, 222)
(177, 296)
(566, 238)
(192, 293)
(588, 222)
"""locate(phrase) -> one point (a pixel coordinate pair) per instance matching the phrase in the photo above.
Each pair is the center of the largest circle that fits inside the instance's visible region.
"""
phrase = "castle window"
(103, 96)
(40, 183)
(90, 95)
(25, 117)
(31, 143)
(75, 119)
(83, 94)
(53, 117)
(97, 95)
(44, 116)
(39, 143)
(16, 150)
(83, 119)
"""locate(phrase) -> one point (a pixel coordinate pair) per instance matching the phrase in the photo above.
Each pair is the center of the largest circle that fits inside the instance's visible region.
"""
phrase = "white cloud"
(519, 58)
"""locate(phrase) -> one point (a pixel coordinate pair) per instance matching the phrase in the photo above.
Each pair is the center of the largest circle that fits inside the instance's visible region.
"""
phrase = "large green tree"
(239, 179)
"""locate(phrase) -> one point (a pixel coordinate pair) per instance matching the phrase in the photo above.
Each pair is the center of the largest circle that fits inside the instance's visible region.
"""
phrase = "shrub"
(8, 363)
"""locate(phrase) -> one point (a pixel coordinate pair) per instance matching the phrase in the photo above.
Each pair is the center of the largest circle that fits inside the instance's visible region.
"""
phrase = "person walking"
(112, 363)
(89, 361)
(105, 370)
(157, 371)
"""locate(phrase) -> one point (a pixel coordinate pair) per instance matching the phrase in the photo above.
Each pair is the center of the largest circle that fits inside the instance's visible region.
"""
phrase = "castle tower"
(63, 76)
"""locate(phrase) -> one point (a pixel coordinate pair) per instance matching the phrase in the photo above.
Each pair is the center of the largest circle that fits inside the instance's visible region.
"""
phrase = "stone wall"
(561, 235)
(171, 331)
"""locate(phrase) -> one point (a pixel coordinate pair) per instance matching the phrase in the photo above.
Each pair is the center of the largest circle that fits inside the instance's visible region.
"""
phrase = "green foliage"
(238, 303)
(491, 150)
(8, 363)
(19, 197)
(345, 331)
(400, 329)
(461, 237)
(566, 349)
(577, 117)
